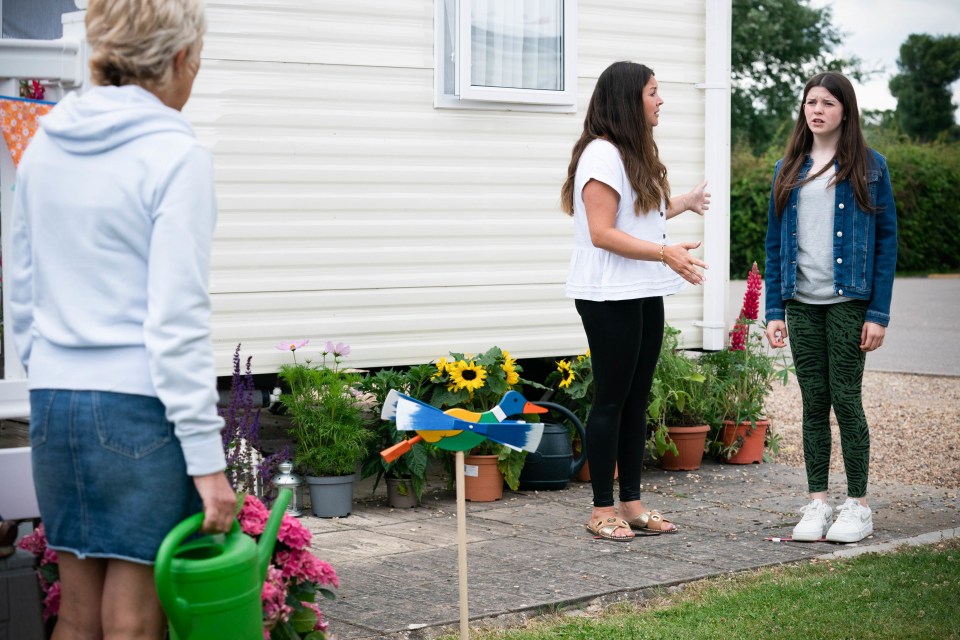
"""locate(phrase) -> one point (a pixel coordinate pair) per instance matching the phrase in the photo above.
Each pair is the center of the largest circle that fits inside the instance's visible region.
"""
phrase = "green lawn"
(911, 594)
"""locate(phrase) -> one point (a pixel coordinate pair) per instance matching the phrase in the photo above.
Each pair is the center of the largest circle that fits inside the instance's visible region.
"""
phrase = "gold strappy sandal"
(604, 528)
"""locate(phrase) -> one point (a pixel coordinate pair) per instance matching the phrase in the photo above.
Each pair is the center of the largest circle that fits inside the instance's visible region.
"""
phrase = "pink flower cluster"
(32, 89)
(36, 543)
(292, 566)
(274, 598)
(750, 311)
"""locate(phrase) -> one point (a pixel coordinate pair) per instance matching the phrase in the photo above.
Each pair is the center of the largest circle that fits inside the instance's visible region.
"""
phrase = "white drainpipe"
(716, 246)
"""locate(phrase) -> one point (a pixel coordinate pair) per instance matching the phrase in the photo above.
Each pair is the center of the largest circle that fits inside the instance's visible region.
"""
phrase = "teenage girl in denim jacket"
(831, 256)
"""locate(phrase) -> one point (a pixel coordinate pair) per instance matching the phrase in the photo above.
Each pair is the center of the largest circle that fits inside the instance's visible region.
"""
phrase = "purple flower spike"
(292, 345)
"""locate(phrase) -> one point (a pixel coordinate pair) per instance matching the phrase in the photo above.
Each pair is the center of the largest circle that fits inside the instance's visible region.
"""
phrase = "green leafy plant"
(326, 413)
(412, 465)
(677, 397)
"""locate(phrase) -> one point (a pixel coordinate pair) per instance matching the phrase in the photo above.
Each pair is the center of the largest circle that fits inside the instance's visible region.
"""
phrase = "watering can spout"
(269, 537)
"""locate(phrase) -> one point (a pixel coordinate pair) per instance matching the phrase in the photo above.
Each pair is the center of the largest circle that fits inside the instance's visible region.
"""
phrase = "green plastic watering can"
(210, 586)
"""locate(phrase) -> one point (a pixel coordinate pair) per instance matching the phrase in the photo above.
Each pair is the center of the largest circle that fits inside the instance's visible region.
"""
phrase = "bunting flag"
(19, 121)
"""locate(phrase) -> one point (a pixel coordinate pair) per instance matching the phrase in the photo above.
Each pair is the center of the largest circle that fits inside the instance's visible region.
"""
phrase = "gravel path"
(914, 427)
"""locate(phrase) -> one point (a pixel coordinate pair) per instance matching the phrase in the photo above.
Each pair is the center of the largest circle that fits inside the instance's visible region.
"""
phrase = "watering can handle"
(175, 607)
(569, 415)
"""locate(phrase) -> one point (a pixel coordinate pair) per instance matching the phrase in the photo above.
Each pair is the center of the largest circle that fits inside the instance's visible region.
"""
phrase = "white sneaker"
(854, 523)
(815, 521)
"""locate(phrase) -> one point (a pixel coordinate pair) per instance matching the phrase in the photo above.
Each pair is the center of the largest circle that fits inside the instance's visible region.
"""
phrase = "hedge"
(926, 187)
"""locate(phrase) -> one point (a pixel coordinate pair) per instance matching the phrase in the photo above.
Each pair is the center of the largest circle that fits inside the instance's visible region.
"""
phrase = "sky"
(876, 29)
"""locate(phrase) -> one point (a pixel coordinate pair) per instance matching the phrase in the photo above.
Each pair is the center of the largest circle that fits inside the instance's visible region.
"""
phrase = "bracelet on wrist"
(662, 247)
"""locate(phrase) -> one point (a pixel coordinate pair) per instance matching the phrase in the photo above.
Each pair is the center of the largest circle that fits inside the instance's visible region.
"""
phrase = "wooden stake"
(462, 547)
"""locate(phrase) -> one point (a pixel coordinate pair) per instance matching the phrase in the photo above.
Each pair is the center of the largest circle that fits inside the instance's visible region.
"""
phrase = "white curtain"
(517, 44)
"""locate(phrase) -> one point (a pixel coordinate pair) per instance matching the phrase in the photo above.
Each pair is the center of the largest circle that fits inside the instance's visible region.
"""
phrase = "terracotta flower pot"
(482, 481)
(690, 443)
(751, 451)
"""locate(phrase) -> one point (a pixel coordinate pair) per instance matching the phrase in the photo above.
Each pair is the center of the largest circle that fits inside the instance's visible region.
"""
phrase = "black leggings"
(624, 338)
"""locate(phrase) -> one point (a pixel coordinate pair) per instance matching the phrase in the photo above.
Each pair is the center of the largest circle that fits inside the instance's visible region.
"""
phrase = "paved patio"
(529, 552)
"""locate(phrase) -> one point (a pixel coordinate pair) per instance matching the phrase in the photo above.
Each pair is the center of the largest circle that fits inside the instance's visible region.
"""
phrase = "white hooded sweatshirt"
(113, 218)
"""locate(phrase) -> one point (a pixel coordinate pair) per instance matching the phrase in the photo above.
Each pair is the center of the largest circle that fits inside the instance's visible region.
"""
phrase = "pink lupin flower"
(738, 336)
(751, 298)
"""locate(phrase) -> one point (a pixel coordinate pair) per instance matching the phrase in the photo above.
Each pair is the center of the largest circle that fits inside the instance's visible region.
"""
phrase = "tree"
(928, 66)
(777, 46)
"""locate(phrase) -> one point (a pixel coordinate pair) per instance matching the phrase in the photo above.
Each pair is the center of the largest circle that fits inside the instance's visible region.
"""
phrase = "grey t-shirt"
(815, 241)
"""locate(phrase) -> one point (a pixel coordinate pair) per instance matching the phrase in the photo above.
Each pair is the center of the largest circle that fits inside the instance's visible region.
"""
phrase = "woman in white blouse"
(622, 266)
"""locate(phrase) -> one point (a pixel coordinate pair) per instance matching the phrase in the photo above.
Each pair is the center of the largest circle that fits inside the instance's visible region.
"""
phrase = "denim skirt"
(109, 473)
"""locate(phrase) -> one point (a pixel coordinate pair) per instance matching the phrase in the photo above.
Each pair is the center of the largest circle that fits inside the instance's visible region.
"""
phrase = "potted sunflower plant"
(573, 384)
(738, 379)
(476, 384)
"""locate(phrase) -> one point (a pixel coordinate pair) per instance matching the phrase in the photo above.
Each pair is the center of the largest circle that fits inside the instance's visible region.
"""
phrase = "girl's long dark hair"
(616, 113)
(852, 153)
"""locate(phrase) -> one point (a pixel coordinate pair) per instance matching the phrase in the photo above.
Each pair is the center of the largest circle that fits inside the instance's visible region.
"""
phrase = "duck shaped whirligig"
(460, 429)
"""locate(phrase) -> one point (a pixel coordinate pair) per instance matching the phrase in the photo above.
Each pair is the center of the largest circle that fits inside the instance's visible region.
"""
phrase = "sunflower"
(584, 356)
(566, 373)
(442, 365)
(508, 367)
(464, 375)
(512, 376)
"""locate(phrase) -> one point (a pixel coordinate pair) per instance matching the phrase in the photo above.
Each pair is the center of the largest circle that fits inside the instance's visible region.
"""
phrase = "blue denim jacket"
(864, 246)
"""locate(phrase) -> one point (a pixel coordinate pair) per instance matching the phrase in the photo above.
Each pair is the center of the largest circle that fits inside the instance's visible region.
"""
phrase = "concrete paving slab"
(529, 552)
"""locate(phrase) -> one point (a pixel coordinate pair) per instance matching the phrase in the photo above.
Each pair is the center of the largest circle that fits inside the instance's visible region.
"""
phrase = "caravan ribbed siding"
(352, 210)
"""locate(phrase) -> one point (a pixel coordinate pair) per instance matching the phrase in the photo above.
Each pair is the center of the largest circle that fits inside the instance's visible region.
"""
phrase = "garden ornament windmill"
(460, 430)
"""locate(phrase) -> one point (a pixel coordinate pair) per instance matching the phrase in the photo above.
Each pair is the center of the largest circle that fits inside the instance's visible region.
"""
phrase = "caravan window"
(33, 20)
(506, 54)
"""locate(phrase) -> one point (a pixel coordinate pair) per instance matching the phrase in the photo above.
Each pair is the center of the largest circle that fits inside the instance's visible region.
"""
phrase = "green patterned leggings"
(825, 343)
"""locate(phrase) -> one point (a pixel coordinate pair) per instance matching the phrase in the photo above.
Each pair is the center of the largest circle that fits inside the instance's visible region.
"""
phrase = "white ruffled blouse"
(597, 274)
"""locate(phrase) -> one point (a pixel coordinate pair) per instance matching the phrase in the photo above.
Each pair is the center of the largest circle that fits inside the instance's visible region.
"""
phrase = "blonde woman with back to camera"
(113, 218)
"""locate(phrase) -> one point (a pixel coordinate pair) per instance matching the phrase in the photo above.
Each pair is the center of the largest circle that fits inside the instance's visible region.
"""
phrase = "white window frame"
(500, 98)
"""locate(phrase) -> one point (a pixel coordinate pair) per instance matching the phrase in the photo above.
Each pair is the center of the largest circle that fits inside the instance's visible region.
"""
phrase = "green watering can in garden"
(210, 586)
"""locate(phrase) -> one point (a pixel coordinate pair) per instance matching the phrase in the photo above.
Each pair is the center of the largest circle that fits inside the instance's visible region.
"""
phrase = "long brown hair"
(616, 113)
(852, 153)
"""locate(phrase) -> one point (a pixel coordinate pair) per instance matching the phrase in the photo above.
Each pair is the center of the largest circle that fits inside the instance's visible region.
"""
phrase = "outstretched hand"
(678, 258)
(699, 199)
